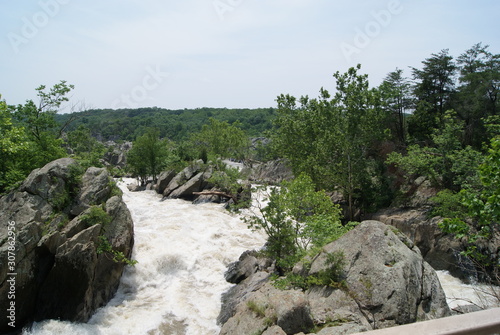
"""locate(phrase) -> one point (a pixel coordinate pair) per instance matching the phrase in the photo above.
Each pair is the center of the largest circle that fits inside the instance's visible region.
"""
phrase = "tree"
(13, 144)
(478, 91)
(222, 139)
(330, 139)
(446, 163)
(434, 89)
(483, 211)
(396, 90)
(85, 147)
(40, 125)
(296, 218)
(149, 155)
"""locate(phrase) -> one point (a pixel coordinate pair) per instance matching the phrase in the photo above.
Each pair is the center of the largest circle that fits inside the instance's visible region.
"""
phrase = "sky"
(223, 53)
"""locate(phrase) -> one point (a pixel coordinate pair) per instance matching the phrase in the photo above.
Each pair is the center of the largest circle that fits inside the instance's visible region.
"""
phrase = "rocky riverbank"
(73, 234)
(385, 282)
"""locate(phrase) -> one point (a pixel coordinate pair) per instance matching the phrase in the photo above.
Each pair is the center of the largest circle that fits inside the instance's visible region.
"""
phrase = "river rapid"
(175, 288)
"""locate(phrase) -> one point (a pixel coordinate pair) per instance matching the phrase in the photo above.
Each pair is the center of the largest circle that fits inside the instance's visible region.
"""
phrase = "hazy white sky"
(224, 53)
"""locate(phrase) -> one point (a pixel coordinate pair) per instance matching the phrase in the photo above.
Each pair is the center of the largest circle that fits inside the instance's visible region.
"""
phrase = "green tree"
(483, 210)
(397, 94)
(434, 89)
(446, 163)
(331, 139)
(222, 139)
(85, 147)
(41, 127)
(296, 218)
(149, 155)
(478, 92)
(13, 144)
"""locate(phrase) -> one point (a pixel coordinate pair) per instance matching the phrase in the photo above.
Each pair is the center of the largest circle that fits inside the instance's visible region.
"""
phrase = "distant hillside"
(126, 124)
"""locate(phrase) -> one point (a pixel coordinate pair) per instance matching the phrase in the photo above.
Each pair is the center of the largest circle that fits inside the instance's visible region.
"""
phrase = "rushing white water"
(182, 252)
(458, 293)
(175, 288)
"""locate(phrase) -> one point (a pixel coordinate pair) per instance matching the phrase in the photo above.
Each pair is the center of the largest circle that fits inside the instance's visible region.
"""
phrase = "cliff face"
(69, 234)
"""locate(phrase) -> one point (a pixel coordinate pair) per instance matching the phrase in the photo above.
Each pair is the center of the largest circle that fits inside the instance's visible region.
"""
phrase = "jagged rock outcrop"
(61, 273)
(440, 250)
(163, 180)
(117, 154)
(193, 178)
(272, 172)
(386, 282)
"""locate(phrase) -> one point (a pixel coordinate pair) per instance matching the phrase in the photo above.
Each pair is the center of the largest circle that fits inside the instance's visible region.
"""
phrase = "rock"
(274, 330)
(272, 172)
(135, 187)
(387, 276)
(163, 180)
(248, 264)
(182, 177)
(117, 153)
(60, 273)
(267, 306)
(240, 293)
(384, 282)
(95, 189)
(50, 182)
(185, 191)
(440, 250)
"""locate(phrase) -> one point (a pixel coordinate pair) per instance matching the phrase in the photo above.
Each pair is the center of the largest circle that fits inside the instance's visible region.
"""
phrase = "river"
(175, 288)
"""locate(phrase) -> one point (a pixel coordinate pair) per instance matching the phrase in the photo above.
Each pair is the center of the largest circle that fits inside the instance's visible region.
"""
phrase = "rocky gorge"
(73, 234)
(73, 225)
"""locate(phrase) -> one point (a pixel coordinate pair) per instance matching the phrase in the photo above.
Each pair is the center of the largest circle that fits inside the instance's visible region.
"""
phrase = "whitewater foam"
(175, 288)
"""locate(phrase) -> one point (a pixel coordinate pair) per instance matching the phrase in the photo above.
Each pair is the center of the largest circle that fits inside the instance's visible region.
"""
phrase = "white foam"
(182, 252)
(459, 294)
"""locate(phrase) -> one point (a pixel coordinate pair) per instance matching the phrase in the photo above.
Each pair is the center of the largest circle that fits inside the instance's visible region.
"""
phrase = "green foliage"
(259, 310)
(176, 125)
(96, 215)
(117, 256)
(448, 204)
(221, 139)
(13, 144)
(446, 163)
(85, 148)
(483, 208)
(296, 218)
(329, 139)
(434, 88)
(332, 276)
(454, 226)
(150, 155)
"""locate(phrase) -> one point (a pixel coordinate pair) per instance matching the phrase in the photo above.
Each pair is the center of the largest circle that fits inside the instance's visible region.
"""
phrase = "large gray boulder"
(163, 180)
(272, 172)
(60, 273)
(440, 250)
(183, 177)
(386, 277)
(384, 282)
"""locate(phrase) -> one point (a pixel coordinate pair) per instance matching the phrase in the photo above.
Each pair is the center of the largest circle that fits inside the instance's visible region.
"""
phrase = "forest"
(441, 122)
